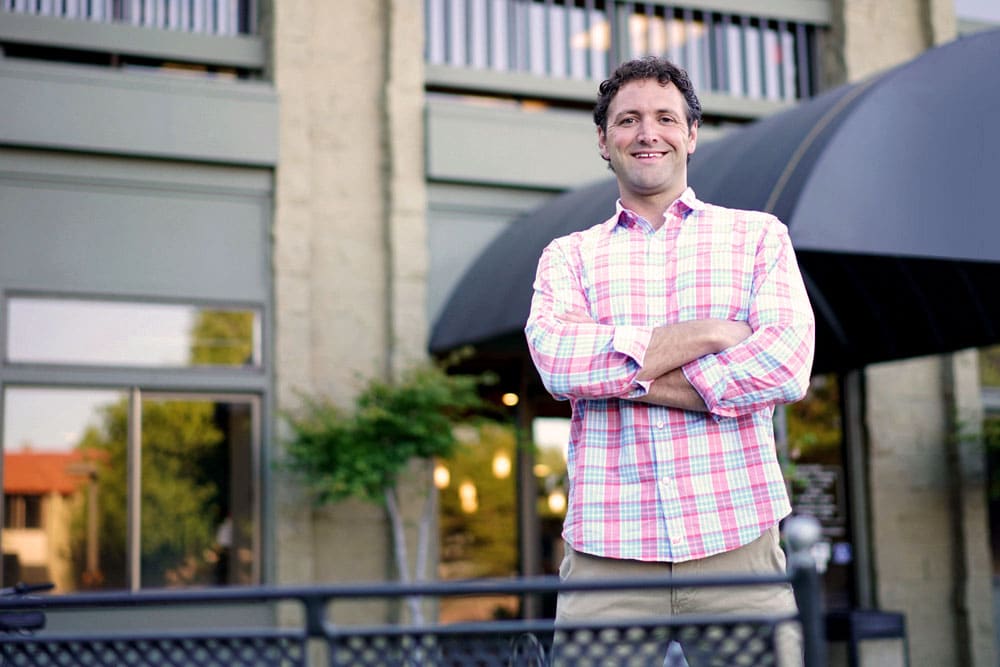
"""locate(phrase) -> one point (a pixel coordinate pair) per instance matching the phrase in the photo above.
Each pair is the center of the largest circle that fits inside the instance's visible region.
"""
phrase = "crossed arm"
(670, 347)
(725, 367)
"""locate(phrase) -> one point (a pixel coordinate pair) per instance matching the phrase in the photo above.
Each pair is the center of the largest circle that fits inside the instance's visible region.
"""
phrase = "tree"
(363, 452)
(223, 337)
(181, 493)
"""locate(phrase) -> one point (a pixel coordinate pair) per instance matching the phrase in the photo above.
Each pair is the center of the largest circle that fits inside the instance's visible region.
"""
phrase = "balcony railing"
(212, 17)
(732, 639)
(742, 55)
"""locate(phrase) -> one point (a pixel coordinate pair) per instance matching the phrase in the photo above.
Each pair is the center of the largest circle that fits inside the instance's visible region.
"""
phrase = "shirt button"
(677, 539)
(660, 424)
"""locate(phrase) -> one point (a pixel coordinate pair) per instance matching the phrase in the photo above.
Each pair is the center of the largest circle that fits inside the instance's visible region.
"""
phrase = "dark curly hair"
(650, 67)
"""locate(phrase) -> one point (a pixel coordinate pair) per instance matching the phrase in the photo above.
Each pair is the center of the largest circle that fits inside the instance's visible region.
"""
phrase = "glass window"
(815, 471)
(22, 511)
(69, 449)
(78, 539)
(86, 332)
(478, 524)
(198, 522)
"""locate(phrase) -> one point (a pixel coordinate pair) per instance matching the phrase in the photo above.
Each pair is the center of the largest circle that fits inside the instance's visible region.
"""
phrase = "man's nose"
(647, 132)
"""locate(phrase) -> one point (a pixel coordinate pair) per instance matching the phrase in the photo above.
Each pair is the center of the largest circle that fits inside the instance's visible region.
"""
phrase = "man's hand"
(673, 345)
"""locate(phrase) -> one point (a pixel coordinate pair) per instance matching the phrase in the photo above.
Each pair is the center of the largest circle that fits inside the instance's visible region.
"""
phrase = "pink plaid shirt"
(654, 483)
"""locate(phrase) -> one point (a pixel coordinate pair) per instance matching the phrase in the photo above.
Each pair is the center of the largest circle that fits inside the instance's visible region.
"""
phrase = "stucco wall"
(927, 504)
(869, 36)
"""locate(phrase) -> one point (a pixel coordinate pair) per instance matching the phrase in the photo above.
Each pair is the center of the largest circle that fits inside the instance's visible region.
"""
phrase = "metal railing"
(213, 17)
(319, 639)
(743, 55)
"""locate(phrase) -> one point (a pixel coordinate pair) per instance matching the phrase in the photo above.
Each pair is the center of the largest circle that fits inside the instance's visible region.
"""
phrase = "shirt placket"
(663, 255)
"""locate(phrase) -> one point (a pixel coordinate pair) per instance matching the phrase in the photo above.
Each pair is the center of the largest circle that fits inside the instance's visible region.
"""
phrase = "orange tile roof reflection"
(28, 472)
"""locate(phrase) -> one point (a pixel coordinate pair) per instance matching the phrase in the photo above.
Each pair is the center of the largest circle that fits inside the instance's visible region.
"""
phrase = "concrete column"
(349, 242)
(870, 36)
(929, 541)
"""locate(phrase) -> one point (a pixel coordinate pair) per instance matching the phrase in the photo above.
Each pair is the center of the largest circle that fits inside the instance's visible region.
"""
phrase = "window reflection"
(55, 513)
(66, 500)
(197, 518)
(77, 331)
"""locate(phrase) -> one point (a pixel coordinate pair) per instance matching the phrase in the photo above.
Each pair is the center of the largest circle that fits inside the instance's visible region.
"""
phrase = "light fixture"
(442, 477)
(510, 399)
(501, 464)
(468, 497)
(557, 501)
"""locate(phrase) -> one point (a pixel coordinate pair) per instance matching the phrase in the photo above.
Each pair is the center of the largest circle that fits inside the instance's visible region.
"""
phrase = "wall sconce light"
(510, 399)
(468, 497)
(501, 464)
(442, 477)
(557, 501)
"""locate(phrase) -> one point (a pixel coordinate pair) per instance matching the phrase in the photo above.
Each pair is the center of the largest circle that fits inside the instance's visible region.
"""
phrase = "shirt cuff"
(633, 342)
(709, 378)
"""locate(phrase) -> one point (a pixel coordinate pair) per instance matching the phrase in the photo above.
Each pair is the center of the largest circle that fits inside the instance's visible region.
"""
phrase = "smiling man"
(674, 329)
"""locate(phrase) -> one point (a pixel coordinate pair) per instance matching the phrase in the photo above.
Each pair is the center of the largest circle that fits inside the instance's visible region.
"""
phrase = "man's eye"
(667, 119)
(626, 121)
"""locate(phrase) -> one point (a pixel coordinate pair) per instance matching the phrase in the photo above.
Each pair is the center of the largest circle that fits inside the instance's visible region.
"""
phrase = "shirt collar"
(681, 206)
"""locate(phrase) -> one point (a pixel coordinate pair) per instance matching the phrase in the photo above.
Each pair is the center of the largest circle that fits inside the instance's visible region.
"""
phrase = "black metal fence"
(318, 638)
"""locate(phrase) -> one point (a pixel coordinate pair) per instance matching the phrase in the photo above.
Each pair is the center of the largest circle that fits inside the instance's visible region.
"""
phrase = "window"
(815, 471)
(22, 511)
(113, 333)
(189, 518)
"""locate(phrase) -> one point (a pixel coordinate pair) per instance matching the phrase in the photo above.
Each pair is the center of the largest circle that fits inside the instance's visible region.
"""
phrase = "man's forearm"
(673, 345)
(674, 391)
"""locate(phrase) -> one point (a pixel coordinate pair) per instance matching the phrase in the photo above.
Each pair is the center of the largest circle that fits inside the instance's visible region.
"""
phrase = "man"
(674, 329)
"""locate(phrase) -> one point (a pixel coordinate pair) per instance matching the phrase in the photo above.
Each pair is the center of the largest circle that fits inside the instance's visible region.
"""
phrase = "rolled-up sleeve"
(579, 359)
(772, 366)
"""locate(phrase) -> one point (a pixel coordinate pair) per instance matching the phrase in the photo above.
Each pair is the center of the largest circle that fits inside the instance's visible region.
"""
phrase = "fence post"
(801, 533)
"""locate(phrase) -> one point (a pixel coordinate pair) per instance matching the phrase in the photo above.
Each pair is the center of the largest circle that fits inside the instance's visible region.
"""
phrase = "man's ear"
(692, 138)
(602, 143)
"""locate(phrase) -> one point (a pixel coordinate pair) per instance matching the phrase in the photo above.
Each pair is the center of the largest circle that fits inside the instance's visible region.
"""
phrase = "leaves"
(361, 453)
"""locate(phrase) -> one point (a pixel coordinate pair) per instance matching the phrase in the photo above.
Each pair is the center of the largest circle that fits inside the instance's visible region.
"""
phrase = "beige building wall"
(869, 36)
(350, 256)
(927, 501)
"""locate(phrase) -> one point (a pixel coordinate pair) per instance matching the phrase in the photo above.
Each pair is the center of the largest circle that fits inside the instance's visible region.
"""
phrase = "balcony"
(195, 37)
(758, 54)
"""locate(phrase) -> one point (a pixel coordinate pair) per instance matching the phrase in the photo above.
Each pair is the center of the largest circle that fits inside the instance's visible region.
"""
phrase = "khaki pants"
(762, 556)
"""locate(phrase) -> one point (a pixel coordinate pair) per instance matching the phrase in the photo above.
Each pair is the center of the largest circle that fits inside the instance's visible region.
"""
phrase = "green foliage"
(815, 428)
(184, 474)
(360, 453)
(989, 366)
(223, 337)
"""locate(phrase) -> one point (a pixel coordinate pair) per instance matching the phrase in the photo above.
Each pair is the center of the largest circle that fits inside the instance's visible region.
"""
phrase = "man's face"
(648, 141)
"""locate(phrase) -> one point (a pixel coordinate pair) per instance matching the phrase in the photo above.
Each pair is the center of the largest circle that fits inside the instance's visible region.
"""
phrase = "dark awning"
(887, 189)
